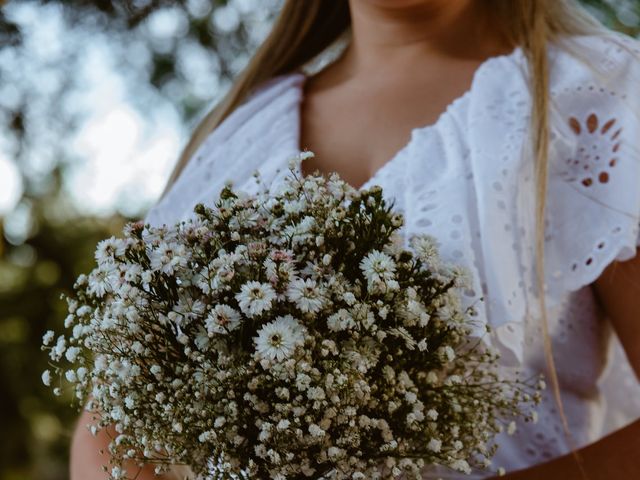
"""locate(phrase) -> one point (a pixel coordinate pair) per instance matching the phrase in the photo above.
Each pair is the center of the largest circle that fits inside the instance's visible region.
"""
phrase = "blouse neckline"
(451, 107)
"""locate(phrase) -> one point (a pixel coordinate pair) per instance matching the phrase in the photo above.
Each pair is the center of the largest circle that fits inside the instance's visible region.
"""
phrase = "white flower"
(46, 378)
(132, 272)
(449, 353)
(403, 334)
(315, 430)
(99, 283)
(255, 298)
(59, 349)
(295, 206)
(426, 249)
(335, 452)
(156, 370)
(68, 321)
(306, 294)
(461, 466)
(222, 319)
(349, 298)
(72, 353)
(295, 161)
(283, 425)
(297, 329)
(432, 378)
(434, 445)
(511, 429)
(300, 232)
(277, 340)
(303, 381)
(202, 339)
(206, 436)
(341, 320)
(109, 248)
(378, 267)
(48, 337)
(117, 472)
(316, 393)
(168, 256)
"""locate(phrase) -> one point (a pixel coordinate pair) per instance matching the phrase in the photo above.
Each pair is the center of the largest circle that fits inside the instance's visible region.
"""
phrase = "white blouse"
(466, 180)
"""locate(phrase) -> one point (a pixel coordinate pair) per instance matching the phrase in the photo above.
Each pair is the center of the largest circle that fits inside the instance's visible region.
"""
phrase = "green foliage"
(36, 425)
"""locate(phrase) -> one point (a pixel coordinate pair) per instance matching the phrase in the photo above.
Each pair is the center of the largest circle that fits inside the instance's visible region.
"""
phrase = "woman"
(509, 110)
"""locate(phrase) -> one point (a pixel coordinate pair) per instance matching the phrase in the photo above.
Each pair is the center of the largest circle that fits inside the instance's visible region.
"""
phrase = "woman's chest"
(357, 130)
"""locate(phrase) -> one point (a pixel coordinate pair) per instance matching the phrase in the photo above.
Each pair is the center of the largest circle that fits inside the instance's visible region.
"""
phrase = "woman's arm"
(618, 291)
(617, 455)
(614, 457)
(86, 460)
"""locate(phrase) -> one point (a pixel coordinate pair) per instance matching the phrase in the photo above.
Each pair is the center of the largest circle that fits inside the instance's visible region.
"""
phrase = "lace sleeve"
(594, 178)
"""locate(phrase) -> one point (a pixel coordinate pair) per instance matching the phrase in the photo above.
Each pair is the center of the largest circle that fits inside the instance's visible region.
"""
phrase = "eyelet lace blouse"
(468, 181)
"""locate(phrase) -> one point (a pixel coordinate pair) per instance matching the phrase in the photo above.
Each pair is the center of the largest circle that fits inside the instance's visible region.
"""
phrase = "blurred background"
(97, 97)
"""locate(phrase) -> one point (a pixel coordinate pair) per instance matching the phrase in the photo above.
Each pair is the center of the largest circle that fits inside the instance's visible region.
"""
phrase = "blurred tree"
(184, 51)
(36, 426)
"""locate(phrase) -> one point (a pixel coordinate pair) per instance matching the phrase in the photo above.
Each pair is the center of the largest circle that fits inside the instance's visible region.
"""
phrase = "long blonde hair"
(304, 29)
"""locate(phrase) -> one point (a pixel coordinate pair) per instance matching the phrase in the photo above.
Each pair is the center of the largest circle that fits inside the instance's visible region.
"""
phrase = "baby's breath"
(283, 336)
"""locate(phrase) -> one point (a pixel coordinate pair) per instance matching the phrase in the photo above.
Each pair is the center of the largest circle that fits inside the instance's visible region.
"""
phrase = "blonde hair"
(304, 29)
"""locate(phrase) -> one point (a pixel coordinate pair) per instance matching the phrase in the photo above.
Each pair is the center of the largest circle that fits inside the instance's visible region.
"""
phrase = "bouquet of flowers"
(284, 336)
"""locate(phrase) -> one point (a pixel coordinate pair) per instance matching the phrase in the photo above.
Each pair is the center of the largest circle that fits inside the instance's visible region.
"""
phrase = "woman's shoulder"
(252, 133)
(269, 98)
(586, 63)
(593, 191)
(605, 59)
(594, 163)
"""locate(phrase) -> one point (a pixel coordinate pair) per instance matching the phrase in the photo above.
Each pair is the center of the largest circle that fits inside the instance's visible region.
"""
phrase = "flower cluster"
(284, 336)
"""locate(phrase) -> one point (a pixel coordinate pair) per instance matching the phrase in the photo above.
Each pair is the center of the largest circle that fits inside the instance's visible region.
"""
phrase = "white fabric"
(465, 180)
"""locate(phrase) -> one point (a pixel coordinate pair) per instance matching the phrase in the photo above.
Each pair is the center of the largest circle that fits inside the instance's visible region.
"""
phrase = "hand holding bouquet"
(284, 336)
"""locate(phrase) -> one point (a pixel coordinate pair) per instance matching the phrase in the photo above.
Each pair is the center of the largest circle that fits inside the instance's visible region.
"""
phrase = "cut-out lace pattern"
(598, 153)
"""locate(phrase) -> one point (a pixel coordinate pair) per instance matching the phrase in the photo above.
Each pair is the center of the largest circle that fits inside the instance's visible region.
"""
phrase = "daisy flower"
(297, 330)
(378, 266)
(167, 256)
(306, 294)
(222, 319)
(255, 298)
(108, 249)
(276, 340)
(426, 248)
(99, 283)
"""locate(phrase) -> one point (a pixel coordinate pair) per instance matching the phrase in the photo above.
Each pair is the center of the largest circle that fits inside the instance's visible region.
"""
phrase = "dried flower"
(284, 335)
